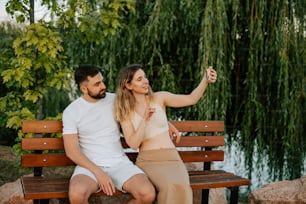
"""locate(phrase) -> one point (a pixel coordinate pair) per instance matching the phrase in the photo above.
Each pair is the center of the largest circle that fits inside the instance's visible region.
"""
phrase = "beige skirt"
(168, 173)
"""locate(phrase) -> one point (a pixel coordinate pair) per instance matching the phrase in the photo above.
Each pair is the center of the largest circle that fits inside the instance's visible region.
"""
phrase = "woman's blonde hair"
(125, 100)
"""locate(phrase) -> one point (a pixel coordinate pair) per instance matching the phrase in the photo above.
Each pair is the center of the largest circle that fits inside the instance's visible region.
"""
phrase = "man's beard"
(99, 95)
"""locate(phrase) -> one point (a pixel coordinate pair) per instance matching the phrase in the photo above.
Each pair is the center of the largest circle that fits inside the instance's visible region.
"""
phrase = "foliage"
(272, 106)
(23, 10)
(39, 66)
(39, 63)
(91, 21)
(257, 48)
(8, 33)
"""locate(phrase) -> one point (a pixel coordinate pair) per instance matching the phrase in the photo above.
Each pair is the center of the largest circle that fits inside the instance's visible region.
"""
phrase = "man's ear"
(83, 88)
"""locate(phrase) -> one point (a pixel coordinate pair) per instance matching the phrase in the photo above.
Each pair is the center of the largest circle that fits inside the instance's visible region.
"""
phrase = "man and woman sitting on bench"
(91, 137)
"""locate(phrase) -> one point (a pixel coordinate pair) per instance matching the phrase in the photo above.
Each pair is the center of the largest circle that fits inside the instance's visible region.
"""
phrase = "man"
(92, 141)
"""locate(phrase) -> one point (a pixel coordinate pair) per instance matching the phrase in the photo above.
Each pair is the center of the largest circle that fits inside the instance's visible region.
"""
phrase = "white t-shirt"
(98, 132)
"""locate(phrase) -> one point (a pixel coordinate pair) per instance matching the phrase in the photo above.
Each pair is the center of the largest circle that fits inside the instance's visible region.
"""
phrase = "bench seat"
(47, 188)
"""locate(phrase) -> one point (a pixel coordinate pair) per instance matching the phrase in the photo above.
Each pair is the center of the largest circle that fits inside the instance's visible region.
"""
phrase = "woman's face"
(139, 83)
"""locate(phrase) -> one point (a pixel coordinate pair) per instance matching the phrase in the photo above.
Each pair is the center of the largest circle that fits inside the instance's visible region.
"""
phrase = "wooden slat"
(199, 126)
(50, 159)
(42, 126)
(43, 188)
(208, 173)
(201, 141)
(43, 160)
(202, 156)
(42, 144)
(217, 181)
(46, 188)
(47, 126)
(57, 143)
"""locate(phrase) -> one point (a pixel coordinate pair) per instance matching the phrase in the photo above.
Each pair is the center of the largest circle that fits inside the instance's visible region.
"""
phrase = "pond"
(234, 162)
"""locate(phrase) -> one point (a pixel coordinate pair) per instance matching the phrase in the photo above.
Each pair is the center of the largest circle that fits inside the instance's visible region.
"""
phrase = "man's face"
(94, 89)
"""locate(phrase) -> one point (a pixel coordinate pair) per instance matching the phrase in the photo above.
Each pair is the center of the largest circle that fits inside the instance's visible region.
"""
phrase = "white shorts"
(119, 173)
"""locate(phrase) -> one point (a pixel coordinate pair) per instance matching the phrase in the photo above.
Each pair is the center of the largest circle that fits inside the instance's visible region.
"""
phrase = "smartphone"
(208, 74)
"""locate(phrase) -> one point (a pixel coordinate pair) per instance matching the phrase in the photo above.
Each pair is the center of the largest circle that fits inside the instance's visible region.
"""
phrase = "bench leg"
(43, 201)
(205, 196)
(234, 195)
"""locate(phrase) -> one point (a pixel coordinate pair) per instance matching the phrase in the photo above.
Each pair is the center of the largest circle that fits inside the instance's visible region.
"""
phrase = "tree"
(8, 32)
(40, 63)
(23, 10)
(257, 47)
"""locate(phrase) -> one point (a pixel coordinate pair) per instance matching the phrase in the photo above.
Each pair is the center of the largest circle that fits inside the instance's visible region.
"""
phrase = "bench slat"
(202, 156)
(42, 126)
(199, 126)
(208, 173)
(58, 144)
(44, 160)
(58, 159)
(55, 126)
(47, 188)
(201, 141)
(42, 144)
(217, 181)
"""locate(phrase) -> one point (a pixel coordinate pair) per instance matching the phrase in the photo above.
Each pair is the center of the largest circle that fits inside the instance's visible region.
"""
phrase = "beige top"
(157, 123)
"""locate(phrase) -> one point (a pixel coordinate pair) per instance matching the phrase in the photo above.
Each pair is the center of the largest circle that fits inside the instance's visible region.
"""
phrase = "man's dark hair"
(83, 71)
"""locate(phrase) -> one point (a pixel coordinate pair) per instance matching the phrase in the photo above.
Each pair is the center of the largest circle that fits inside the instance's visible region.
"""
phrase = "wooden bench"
(44, 151)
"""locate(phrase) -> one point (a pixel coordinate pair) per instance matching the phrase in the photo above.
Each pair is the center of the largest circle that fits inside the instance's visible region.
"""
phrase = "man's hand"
(174, 133)
(106, 183)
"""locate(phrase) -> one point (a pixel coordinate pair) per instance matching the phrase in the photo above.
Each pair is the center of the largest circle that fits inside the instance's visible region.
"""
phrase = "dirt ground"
(7, 153)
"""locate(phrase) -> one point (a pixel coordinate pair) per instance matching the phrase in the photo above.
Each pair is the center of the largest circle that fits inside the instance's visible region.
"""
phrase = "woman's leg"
(168, 174)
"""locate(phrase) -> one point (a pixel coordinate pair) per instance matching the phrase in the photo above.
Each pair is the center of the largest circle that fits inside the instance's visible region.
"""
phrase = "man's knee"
(80, 189)
(77, 194)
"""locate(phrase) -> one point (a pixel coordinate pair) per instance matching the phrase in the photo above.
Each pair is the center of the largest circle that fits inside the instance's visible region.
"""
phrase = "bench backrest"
(198, 144)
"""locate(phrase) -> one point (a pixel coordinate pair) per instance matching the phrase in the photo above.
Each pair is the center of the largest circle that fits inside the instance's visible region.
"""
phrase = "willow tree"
(257, 48)
(272, 112)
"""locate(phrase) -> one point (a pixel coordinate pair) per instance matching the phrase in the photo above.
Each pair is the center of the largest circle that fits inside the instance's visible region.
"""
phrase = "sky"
(3, 15)
(39, 12)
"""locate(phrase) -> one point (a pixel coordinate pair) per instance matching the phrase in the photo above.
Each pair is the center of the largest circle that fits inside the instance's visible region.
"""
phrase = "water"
(234, 162)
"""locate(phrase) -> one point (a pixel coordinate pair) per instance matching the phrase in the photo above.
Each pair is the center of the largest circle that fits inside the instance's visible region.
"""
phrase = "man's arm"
(73, 152)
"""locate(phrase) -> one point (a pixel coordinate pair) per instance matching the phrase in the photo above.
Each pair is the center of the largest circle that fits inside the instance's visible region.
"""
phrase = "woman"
(143, 120)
